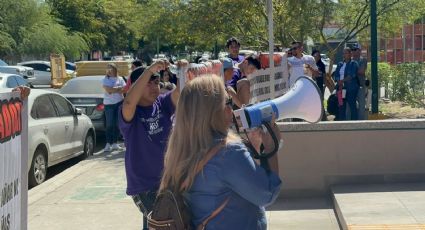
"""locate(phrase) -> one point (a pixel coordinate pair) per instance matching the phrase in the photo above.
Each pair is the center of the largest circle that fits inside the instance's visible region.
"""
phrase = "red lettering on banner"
(7, 120)
(2, 134)
(10, 119)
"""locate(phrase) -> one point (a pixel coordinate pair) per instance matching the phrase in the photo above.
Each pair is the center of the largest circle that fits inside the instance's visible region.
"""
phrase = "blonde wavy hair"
(199, 117)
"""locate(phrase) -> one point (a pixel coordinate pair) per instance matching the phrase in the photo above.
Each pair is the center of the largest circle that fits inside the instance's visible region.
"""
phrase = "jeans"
(350, 101)
(111, 115)
(361, 100)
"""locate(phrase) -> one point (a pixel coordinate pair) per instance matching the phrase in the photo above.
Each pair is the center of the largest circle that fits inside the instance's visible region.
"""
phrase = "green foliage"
(409, 84)
(109, 25)
(28, 29)
(404, 82)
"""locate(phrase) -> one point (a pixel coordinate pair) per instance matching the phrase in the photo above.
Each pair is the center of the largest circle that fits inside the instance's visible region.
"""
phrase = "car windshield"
(70, 66)
(2, 63)
(83, 86)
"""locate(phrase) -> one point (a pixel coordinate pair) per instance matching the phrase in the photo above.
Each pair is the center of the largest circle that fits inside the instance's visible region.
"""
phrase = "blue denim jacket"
(233, 174)
(351, 69)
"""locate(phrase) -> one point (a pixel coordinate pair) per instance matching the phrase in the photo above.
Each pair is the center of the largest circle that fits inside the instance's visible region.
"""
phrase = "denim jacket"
(351, 69)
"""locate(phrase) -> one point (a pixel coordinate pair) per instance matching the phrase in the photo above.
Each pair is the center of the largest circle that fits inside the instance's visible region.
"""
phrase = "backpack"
(332, 106)
(170, 210)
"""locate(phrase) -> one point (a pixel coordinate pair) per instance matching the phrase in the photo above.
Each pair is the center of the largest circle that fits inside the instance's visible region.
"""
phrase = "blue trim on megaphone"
(254, 113)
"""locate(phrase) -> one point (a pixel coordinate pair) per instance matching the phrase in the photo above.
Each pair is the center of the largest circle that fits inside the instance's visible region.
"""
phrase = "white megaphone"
(303, 100)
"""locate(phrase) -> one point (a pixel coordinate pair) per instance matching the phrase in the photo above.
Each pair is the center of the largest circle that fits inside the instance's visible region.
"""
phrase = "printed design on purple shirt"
(152, 124)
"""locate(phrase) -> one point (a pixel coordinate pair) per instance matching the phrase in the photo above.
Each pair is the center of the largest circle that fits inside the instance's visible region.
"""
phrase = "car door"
(73, 132)
(44, 75)
(48, 122)
(41, 73)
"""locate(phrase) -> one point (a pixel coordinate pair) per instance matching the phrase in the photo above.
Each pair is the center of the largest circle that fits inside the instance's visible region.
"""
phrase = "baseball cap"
(227, 63)
(356, 47)
(137, 72)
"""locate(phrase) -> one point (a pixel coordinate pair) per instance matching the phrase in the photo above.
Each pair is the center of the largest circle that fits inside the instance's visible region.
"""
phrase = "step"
(380, 206)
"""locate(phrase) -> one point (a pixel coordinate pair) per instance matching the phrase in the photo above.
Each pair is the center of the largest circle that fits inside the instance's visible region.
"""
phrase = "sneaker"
(115, 146)
(107, 148)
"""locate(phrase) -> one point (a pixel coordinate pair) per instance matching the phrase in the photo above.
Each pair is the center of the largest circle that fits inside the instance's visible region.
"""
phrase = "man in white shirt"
(300, 64)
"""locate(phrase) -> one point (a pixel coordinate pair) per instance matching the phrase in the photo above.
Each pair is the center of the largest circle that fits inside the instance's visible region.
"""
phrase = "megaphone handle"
(275, 140)
(264, 162)
(263, 155)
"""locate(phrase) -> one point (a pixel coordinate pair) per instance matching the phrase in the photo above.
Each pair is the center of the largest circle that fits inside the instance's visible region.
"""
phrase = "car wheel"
(88, 146)
(38, 170)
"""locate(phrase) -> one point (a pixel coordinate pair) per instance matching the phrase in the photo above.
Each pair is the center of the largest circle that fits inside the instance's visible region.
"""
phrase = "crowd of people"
(168, 132)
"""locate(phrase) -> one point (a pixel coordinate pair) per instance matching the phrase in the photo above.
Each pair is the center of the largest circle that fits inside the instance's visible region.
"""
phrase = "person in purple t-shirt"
(233, 46)
(145, 120)
(239, 87)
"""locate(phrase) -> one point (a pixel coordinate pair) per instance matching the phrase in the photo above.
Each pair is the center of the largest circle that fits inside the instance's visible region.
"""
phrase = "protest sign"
(13, 162)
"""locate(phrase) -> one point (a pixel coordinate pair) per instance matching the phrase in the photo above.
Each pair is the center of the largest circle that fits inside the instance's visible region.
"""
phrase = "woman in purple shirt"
(202, 119)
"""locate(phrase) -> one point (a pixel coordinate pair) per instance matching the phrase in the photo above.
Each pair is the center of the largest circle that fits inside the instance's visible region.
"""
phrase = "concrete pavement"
(381, 206)
(91, 195)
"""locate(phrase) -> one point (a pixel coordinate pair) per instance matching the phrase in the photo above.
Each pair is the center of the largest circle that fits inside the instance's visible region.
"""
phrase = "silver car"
(42, 71)
(57, 131)
(86, 93)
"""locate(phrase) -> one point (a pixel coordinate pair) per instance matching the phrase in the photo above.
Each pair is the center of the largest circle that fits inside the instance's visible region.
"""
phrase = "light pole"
(374, 56)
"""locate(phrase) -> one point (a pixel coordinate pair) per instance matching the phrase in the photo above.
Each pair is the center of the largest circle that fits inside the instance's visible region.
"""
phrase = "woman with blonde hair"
(202, 120)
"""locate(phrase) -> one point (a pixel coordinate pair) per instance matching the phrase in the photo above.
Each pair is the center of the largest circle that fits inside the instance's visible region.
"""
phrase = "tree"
(27, 29)
(111, 25)
(353, 19)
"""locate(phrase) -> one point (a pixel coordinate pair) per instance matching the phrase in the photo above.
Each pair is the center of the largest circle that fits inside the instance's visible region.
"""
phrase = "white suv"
(26, 72)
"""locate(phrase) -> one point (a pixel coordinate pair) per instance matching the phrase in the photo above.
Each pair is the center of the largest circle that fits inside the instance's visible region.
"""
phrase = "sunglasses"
(229, 101)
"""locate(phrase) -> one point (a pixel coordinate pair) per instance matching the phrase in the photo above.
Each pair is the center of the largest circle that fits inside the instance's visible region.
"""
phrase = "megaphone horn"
(303, 101)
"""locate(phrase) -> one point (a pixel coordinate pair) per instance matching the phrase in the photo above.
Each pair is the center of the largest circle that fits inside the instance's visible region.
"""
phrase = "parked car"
(25, 72)
(8, 80)
(57, 132)
(70, 66)
(42, 71)
(86, 93)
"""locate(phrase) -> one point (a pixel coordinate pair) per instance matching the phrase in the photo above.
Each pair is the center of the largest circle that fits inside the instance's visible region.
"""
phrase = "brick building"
(406, 46)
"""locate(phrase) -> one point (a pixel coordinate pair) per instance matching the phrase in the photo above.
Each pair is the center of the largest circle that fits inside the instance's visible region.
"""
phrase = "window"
(29, 65)
(20, 80)
(40, 67)
(11, 82)
(63, 106)
(43, 108)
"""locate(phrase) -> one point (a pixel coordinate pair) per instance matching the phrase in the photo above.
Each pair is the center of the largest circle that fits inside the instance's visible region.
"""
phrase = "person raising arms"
(145, 120)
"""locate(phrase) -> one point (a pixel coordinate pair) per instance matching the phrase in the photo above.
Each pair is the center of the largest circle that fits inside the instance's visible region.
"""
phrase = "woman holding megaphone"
(231, 177)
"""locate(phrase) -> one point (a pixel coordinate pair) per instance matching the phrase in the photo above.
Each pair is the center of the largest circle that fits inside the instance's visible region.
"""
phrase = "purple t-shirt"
(146, 139)
(237, 60)
(237, 75)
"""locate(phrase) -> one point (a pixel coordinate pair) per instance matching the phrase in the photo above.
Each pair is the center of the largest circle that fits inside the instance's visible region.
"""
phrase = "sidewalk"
(91, 195)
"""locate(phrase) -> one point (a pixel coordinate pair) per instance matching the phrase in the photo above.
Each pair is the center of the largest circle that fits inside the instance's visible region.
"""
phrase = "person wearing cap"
(227, 69)
(361, 76)
(240, 83)
(145, 121)
(112, 99)
(346, 77)
(233, 45)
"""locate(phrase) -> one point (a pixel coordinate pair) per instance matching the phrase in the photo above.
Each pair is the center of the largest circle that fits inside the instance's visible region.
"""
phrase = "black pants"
(144, 201)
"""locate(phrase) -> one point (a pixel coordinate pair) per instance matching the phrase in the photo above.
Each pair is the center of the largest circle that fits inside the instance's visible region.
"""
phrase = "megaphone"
(303, 101)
